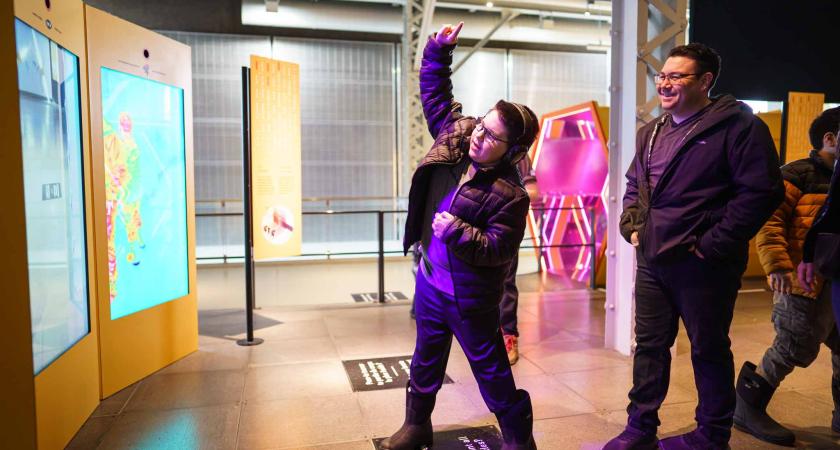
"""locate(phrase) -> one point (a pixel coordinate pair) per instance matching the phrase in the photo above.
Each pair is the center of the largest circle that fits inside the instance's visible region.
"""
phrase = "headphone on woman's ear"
(514, 154)
(517, 151)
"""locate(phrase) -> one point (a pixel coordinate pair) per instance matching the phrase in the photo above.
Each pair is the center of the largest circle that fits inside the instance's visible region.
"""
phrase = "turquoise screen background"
(146, 204)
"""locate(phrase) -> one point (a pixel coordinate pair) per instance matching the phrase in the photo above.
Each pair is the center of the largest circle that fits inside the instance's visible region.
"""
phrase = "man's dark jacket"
(722, 184)
(490, 208)
(828, 220)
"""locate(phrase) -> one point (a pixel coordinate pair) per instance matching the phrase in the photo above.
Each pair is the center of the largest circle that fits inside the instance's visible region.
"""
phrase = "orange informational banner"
(275, 158)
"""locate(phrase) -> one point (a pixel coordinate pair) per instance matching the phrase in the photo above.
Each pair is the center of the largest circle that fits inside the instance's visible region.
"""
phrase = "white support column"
(643, 31)
(621, 259)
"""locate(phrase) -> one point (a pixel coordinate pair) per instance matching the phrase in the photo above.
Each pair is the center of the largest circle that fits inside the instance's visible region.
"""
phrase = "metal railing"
(381, 252)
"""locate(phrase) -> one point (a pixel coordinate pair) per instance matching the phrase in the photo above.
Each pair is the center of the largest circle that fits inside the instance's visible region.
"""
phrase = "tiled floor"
(292, 392)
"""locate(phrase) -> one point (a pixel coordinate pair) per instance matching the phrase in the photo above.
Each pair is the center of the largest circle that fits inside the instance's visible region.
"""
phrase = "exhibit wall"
(52, 86)
(141, 139)
(17, 413)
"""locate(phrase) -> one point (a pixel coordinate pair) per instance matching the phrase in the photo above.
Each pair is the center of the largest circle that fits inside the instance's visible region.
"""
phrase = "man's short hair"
(827, 122)
(706, 58)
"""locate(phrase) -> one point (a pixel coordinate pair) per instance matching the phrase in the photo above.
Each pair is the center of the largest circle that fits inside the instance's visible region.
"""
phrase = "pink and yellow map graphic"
(121, 169)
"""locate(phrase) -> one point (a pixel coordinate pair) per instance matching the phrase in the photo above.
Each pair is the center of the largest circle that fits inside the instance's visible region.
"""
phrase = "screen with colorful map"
(51, 132)
(145, 192)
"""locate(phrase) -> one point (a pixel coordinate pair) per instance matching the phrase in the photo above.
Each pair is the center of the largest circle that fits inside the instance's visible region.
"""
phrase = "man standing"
(705, 178)
(802, 317)
(510, 298)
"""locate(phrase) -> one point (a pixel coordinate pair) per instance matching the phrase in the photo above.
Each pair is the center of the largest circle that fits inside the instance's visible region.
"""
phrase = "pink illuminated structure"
(570, 161)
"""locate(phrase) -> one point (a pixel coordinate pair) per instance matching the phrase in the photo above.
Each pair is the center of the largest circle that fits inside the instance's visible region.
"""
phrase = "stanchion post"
(247, 205)
(381, 229)
(592, 247)
(540, 238)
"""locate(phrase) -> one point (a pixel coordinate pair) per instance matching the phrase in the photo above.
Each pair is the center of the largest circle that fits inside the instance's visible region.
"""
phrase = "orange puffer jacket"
(780, 240)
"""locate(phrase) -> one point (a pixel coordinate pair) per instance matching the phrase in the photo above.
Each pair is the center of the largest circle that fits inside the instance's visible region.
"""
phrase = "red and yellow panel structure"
(571, 163)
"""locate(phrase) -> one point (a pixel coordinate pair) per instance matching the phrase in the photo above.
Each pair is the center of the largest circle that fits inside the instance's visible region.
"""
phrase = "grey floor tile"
(573, 357)
(301, 422)
(188, 390)
(822, 395)
(293, 351)
(291, 330)
(357, 445)
(302, 380)
(91, 433)
(179, 429)
(365, 346)
(384, 323)
(383, 411)
(551, 399)
(212, 357)
(114, 404)
(587, 431)
(607, 389)
(286, 315)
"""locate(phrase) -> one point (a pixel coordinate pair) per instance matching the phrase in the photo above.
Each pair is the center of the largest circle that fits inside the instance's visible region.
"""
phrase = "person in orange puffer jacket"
(803, 318)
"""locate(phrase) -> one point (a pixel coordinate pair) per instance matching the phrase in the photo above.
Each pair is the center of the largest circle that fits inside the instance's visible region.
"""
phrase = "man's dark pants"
(438, 320)
(835, 300)
(510, 301)
(702, 294)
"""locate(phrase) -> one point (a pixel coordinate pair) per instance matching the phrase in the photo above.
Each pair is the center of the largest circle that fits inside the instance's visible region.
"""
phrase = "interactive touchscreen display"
(51, 132)
(145, 192)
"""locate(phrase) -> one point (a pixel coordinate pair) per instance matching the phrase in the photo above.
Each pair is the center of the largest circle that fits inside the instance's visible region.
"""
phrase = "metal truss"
(669, 24)
(417, 18)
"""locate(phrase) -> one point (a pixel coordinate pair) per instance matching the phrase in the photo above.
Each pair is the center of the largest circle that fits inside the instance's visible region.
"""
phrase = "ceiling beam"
(507, 16)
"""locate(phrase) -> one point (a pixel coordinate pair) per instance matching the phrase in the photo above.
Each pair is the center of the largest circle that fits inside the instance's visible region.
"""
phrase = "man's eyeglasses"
(481, 128)
(674, 77)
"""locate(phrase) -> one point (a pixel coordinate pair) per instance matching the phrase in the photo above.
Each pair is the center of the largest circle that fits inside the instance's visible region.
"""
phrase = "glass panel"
(481, 81)
(145, 192)
(51, 130)
(548, 81)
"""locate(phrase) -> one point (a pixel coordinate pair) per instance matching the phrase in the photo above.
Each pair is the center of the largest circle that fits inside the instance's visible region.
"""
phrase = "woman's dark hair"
(521, 123)
(707, 59)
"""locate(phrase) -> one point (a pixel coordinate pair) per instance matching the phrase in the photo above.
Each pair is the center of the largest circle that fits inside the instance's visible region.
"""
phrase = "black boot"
(416, 431)
(517, 424)
(753, 395)
(633, 439)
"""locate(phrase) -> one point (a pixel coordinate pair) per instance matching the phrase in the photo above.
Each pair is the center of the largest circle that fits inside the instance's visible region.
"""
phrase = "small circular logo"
(278, 225)
(48, 23)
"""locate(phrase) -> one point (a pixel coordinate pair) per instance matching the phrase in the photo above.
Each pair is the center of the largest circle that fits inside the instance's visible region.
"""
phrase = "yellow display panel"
(17, 412)
(803, 108)
(67, 390)
(143, 325)
(275, 158)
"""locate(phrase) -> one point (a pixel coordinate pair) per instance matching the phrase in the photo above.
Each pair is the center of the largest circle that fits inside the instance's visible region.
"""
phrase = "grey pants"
(802, 325)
